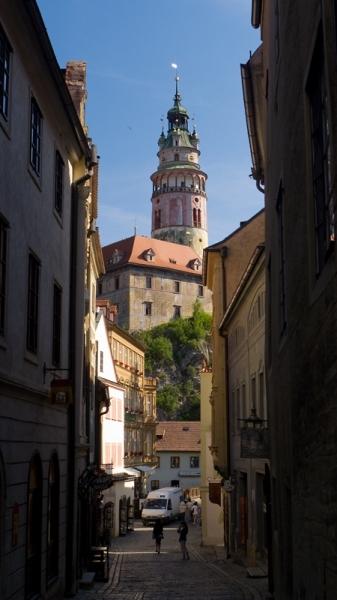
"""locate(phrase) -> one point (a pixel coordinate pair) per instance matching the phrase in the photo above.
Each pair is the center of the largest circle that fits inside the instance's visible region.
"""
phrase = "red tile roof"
(178, 436)
(165, 255)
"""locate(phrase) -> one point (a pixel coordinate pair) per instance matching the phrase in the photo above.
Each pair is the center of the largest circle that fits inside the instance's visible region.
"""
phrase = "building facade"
(46, 167)
(212, 522)
(152, 281)
(139, 400)
(243, 326)
(224, 265)
(298, 132)
(178, 453)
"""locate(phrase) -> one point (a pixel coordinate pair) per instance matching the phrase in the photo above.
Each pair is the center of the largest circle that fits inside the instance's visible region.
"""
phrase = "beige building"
(243, 326)
(225, 263)
(210, 480)
(298, 134)
(152, 281)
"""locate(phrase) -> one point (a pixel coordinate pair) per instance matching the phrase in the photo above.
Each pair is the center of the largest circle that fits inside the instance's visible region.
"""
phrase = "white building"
(178, 451)
(118, 500)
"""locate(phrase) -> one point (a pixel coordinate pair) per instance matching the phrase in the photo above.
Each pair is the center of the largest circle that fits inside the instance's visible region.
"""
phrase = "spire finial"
(177, 95)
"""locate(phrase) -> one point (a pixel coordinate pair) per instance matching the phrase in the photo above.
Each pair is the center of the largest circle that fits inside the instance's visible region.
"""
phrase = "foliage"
(174, 353)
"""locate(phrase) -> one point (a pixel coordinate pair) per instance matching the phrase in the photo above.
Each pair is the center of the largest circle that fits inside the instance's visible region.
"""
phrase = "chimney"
(75, 77)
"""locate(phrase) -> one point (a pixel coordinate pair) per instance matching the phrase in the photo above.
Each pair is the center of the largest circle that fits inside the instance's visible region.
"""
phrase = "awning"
(144, 468)
(131, 471)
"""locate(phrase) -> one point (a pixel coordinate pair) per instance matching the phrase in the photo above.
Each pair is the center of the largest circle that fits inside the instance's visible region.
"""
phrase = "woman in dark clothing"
(183, 531)
(157, 534)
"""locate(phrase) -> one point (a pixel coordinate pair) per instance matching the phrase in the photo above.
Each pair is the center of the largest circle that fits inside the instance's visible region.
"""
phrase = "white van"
(162, 504)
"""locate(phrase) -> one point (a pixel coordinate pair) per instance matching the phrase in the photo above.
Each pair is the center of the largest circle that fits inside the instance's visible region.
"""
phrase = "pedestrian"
(195, 513)
(182, 510)
(188, 515)
(157, 534)
(183, 531)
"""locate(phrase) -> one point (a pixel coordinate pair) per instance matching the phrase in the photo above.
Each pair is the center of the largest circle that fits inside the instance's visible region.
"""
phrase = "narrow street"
(137, 573)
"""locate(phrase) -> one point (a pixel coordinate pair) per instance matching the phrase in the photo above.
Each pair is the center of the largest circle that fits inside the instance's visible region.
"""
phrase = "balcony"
(184, 188)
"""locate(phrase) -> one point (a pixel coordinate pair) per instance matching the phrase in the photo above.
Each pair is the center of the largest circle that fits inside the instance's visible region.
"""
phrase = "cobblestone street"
(137, 573)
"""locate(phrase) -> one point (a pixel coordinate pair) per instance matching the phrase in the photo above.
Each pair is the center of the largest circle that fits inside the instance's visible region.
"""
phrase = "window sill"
(5, 126)
(35, 177)
(31, 358)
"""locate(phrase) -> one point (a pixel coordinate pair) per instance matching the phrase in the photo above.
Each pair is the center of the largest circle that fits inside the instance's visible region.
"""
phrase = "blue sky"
(128, 46)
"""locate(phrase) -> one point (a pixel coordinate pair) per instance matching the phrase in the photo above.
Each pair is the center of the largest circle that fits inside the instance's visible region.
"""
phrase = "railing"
(184, 188)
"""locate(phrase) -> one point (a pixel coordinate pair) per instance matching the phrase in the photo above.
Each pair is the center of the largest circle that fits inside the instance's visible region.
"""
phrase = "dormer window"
(195, 264)
(116, 257)
(149, 254)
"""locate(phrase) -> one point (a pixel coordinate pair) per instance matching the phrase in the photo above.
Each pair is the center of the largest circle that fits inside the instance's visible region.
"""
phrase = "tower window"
(176, 157)
(176, 312)
(157, 218)
(177, 287)
(148, 309)
(148, 281)
(201, 291)
(116, 283)
(196, 217)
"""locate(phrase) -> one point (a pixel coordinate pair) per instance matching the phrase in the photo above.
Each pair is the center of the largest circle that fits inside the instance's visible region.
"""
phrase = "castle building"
(155, 279)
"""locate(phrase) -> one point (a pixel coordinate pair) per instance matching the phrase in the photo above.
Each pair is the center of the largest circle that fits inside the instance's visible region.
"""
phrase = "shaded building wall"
(301, 326)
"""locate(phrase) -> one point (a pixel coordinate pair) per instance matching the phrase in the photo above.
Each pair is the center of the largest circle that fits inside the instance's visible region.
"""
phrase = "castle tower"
(179, 201)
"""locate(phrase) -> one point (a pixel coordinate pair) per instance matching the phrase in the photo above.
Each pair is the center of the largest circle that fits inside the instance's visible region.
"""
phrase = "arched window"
(53, 518)
(34, 526)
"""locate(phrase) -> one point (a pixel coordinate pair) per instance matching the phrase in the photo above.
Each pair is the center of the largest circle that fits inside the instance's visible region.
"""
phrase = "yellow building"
(224, 264)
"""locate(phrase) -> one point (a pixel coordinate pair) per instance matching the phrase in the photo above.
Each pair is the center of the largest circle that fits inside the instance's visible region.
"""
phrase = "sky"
(129, 46)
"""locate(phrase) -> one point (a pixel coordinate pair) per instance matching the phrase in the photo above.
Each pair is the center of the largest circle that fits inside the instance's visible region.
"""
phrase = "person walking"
(183, 531)
(157, 534)
(182, 510)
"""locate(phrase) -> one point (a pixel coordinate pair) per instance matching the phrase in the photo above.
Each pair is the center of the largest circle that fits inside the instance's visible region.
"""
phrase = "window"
(281, 259)
(147, 309)
(59, 166)
(3, 272)
(157, 216)
(175, 462)
(53, 519)
(176, 157)
(154, 484)
(175, 483)
(200, 290)
(176, 312)
(57, 320)
(33, 303)
(169, 504)
(35, 136)
(5, 51)
(321, 156)
(177, 287)
(149, 282)
(34, 528)
(194, 462)
(116, 283)
(101, 360)
(196, 216)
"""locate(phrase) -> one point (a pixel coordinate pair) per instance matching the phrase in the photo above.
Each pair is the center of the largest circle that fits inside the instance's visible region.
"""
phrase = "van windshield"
(155, 503)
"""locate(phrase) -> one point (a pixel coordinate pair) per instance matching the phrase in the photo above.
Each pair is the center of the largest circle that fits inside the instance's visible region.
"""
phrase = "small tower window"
(177, 287)
(157, 218)
(176, 157)
(176, 312)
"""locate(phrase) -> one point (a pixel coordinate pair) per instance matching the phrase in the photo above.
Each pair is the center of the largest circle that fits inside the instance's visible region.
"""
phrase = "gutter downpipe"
(76, 349)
